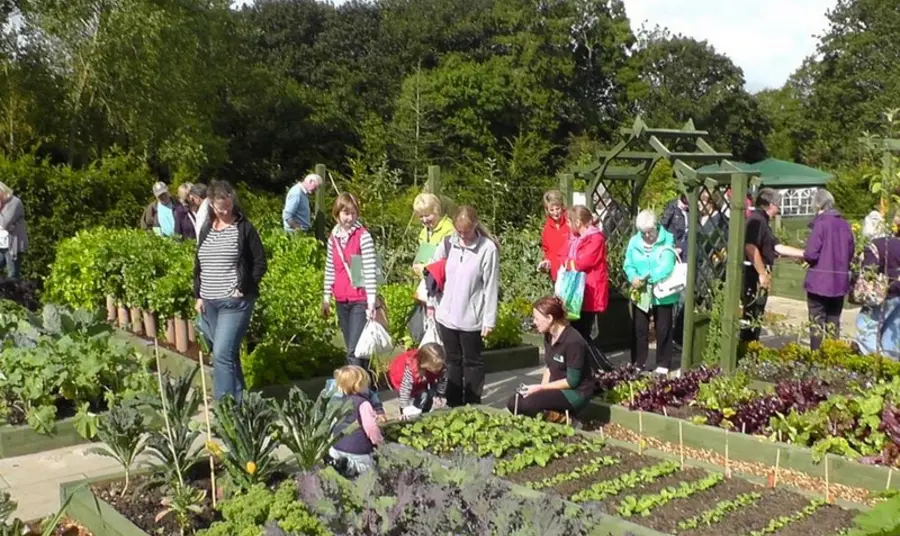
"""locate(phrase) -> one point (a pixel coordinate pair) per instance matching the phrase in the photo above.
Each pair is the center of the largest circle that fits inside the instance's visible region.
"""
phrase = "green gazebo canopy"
(776, 173)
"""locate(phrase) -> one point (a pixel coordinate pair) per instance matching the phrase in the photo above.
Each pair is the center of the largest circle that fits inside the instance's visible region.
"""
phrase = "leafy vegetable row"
(631, 505)
(608, 488)
(542, 454)
(719, 511)
(587, 469)
(780, 522)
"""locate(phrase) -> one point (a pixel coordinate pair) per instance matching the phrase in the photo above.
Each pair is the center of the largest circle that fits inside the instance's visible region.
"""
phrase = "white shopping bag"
(373, 340)
(431, 333)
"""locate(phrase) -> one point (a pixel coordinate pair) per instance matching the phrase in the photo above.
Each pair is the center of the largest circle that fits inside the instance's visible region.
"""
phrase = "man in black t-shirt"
(760, 249)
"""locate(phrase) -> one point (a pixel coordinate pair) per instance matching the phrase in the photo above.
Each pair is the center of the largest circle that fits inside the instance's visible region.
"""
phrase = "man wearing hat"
(296, 206)
(160, 214)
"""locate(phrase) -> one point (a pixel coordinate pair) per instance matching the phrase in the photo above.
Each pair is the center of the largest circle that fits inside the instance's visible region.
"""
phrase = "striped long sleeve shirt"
(369, 262)
(406, 387)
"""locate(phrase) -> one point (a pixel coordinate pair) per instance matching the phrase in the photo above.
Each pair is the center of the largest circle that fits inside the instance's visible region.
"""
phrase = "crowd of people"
(457, 297)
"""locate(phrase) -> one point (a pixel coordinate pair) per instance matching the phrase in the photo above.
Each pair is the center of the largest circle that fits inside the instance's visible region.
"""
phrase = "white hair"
(645, 221)
(5, 191)
(313, 177)
(823, 200)
(873, 225)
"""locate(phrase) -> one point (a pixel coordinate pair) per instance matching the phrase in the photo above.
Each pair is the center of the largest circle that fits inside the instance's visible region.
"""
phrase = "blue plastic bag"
(570, 289)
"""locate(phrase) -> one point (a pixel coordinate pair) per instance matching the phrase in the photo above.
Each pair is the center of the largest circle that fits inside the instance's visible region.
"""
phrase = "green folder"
(644, 303)
(356, 271)
(425, 253)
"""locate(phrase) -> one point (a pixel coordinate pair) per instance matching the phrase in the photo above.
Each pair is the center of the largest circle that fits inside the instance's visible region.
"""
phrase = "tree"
(687, 79)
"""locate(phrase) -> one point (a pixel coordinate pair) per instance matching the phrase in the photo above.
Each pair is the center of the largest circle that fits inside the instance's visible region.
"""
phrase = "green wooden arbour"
(614, 184)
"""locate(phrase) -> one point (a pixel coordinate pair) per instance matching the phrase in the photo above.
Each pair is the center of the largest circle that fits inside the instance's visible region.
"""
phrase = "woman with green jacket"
(649, 259)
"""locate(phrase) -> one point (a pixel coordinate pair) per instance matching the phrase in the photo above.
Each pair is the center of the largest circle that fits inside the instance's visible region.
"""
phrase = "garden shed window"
(797, 202)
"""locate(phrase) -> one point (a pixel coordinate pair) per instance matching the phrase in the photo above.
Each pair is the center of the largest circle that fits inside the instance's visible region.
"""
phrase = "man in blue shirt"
(296, 214)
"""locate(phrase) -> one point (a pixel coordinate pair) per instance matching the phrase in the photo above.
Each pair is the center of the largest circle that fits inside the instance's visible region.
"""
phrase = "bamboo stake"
(777, 466)
(641, 432)
(568, 421)
(602, 433)
(631, 387)
(212, 462)
(681, 442)
(827, 482)
(665, 412)
(890, 474)
(516, 409)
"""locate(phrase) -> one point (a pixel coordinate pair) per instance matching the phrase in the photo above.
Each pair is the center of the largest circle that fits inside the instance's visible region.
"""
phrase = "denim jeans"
(465, 365)
(13, 266)
(223, 324)
(352, 319)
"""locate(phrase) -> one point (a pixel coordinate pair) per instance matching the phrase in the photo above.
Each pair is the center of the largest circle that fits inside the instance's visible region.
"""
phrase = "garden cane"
(212, 463)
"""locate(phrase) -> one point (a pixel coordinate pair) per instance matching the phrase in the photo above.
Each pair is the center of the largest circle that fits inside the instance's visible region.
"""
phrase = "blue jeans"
(352, 319)
(13, 266)
(223, 324)
(867, 328)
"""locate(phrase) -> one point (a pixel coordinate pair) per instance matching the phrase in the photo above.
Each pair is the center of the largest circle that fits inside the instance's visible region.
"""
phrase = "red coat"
(587, 253)
(554, 242)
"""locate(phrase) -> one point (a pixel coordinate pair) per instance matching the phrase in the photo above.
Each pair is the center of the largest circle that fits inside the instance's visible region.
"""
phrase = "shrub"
(508, 331)
(520, 253)
(60, 200)
(400, 300)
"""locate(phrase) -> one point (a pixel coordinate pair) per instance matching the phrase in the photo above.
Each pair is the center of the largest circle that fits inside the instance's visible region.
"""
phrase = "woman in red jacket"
(587, 253)
(555, 236)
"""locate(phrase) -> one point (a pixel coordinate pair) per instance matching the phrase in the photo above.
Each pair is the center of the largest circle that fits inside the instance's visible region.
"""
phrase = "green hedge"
(60, 200)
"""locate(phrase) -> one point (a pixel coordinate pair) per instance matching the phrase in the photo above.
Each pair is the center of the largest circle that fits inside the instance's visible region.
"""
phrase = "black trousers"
(534, 405)
(824, 317)
(465, 365)
(754, 302)
(665, 329)
(585, 325)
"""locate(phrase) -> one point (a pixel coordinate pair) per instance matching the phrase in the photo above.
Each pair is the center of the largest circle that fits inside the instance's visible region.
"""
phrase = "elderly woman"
(829, 252)
(13, 236)
(649, 259)
(881, 255)
(436, 227)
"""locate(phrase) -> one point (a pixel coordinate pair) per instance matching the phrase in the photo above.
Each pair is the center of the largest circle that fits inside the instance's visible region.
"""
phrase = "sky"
(768, 39)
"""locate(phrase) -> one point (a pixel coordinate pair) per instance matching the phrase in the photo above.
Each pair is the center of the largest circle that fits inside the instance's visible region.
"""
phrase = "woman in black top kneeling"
(567, 384)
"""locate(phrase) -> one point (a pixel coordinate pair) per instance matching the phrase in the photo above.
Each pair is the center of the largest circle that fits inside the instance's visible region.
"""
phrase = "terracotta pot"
(192, 332)
(170, 330)
(181, 340)
(150, 323)
(123, 317)
(137, 321)
(111, 312)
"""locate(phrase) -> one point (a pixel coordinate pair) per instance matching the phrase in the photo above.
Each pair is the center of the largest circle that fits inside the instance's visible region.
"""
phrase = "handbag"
(570, 289)
(869, 289)
(675, 282)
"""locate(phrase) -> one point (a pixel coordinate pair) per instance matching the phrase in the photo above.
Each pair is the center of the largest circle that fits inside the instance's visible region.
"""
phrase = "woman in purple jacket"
(829, 252)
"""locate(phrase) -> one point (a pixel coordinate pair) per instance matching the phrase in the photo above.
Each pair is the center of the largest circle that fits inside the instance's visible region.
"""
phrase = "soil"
(773, 504)
(829, 519)
(665, 518)
(143, 503)
(565, 465)
(684, 412)
(629, 462)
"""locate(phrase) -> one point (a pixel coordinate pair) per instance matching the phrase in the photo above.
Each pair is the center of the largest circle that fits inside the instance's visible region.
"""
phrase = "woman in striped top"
(354, 291)
(229, 264)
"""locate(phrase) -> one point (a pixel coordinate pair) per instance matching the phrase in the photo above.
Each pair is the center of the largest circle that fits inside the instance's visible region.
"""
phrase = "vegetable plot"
(655, 493)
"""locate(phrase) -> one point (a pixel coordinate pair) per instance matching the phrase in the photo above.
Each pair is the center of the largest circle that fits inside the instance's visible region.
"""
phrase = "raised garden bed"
(745, 447)
(657, 493)
(22, 439)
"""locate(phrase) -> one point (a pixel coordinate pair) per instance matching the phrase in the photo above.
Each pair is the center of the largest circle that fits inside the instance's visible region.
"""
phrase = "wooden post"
(734, 273)
(319, 223)
(566, 186)
(433, 184)
(690, 299)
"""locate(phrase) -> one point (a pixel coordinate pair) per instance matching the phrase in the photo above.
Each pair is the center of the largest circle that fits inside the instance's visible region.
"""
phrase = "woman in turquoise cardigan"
(649, 259)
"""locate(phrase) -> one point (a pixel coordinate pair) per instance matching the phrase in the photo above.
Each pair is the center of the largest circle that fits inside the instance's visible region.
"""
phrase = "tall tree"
(687, 79)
